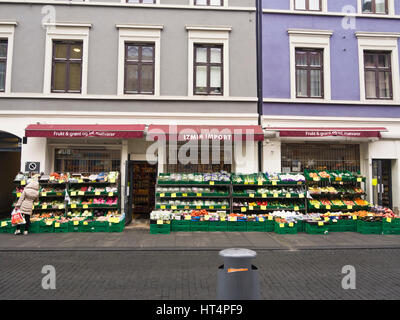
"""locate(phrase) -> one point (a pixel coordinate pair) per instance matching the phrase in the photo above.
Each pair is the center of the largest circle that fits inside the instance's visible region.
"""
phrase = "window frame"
(309, 68)
(208, 64)
(373, 8)
(308, 6)
(7, 30)
(208, 4)
(139, 63)
(376, 69)
(4, 59)
(68, 63)
(140, 2)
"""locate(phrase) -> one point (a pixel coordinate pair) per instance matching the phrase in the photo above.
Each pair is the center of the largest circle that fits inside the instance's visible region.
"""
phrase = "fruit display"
(194, 178)
(255, 178)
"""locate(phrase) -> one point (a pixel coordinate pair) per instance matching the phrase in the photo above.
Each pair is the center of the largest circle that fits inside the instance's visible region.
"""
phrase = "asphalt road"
(192, 275)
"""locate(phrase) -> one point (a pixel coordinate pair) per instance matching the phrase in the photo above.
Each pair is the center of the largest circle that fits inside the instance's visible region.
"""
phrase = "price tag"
(251, 208)
(174, 207)
(349, 207)
(76, 223)
(276, 195)
(223, 219)
(44, 194)
(198, 207)
(56, 225)
(69, 214)
(338, 179)
(49, 223)
(73, 206)
(85, 206)
(299, 182)
(233, 219)
(51, 178)
(264, 195)
(184, 195)
(59, 194)
(354, 217)
(260, 183)
(3, 223)
(162, 207)
(251, 195)
(61, 181)
(389, 220)
(85, 223)
(173, 195)
(334, 220)
(97, 193)
(211, 207)
(73, 193)
(44, 206)
(274, 183)
(288, 195)
(18, 194)
(264, 208)
(359, 179)
(261, 220)
(243, 209)
(291, 224)
(320, 223)
(23, 182)
(327, 219)
(223, 207)
(211, 183)
(246, 182)
(81, 193)
(270, 218)
(111, 194)
(199, 195)
(61, 206)
(317, 206)
(281, 225)
(80, 181)
(301, 195)
(206, 218)
(315, 179)
(186, 208)
(188, 217)
(162, 195)
(296, 208)
(160, 222)
(328, 207)
(112, 180)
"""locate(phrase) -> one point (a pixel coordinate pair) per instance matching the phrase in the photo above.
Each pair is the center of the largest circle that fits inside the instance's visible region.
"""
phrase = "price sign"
(69, 214)
(317, 206)
(206, 218)
(274, 183)
(44, 207)
(291, 224)
(52, 178)
(160, 222)
(349, 207)
(276, 195)
(76, 223)
(23, 182)
(251, 195)
(112, 180)
(288, 195)
(359, 179)
(211, 207)
(320, 223)
(211, 183)
(261, 219)
(260, 183)
(243, 209)
(223, 219)
(73, 206)
(233, 219)
(281, 225)
(327, 219)
(61, 206)
(3, 223)
(389, 220)
(264, 208)
(354, 217)
(251, 208)
(56, 225)
(18, 194)
(188, 217)
(174, 207)
(85, 206)
(73, 193)
(296, 208)
(301, 195)
(328, 207)
(49, 223)
(61, 181)
(97, 193)
(173, 195)
(80, 181)
(184, 195)
(111, 194)
(299, 182)
(223, 207)
(198, 207)
(44, 194)
(270, 218)
(246, 182)
(264, 195)
(81, 193)
(199, 195)
(315, 179)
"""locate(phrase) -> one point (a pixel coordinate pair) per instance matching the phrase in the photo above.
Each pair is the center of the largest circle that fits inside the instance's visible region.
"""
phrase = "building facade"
(75, 72)
(331, 90)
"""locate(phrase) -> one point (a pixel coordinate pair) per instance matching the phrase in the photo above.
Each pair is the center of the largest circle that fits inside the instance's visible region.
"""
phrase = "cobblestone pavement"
(192, 275)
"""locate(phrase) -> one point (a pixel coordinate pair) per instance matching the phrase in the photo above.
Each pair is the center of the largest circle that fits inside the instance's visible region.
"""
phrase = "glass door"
(382, 183)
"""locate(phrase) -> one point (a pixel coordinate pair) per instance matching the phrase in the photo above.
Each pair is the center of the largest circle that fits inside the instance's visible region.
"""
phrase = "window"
(208, 69)
(208, 2)
(141, 1)
(139, 68)
(3, 64)
(308, 5)
(375, 6)
(378, 75)
(309, 73)
(67, 67)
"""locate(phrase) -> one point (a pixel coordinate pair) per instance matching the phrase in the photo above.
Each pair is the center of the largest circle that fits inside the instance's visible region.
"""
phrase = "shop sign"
(331, 133)
(32, 167)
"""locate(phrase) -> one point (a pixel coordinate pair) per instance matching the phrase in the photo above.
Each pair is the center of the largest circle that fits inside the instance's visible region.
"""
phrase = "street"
(192, 275)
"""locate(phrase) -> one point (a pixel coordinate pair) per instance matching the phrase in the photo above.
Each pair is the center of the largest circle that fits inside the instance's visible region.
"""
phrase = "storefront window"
(299, 156)
(90, 161)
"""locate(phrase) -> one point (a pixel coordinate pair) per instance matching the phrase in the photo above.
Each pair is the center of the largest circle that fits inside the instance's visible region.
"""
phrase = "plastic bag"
(17, 218)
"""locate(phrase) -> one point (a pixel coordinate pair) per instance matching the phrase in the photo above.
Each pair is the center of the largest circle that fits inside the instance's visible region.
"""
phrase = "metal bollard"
(237, 277)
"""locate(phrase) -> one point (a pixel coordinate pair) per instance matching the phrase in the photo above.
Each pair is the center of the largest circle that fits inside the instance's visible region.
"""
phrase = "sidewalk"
(140, 239)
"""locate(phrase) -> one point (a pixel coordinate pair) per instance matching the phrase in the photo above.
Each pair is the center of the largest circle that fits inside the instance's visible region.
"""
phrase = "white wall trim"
(139, 33)
(67, 24)
(208, 28)
(139, 26)
(319, 39)
(294, 119)
(55, 32)
(331, 14)
(215, 35)
(327, 102)
(7, 30)
(379, 42)
(323, 9)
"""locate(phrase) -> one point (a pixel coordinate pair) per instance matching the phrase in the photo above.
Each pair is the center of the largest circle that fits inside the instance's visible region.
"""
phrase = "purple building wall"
(344, 59)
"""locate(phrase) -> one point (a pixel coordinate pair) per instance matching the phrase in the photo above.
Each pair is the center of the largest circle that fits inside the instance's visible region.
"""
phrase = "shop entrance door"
(382, 182)
(142, 178)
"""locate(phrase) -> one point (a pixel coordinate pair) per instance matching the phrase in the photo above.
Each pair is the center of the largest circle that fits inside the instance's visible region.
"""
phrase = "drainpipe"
(259, 17)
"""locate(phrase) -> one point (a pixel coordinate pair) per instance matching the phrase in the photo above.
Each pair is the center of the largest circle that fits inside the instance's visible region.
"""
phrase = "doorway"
(382, 183)
(142, 178)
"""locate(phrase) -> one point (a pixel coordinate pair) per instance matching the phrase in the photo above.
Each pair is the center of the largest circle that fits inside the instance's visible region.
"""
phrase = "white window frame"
(139, 33)
(208, 35)
(379, 41)
(141, 4)
(390, 9)
(313, 39)
(324, 4)
(197, 6)
(66, 31)
(7, 30)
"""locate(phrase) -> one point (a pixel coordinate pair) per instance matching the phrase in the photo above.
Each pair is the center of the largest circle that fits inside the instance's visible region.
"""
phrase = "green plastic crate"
(63, 228)
(255, 226)
(34, 227)
(314, 228)
(119, 227)
(101, 226)
(366, 227)
(237, 226)
(269, 225)
(72, 227)
(394, 223)
(334, 226)
(44, 228)
(86, 226)
(218, 226)
(287, 229)
(300, 226)
(8, 228)
(160, 228)
(391, 230)
(199, 226)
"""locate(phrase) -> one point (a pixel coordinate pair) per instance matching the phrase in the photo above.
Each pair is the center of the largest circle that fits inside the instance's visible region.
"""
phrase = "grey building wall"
(29, 44)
